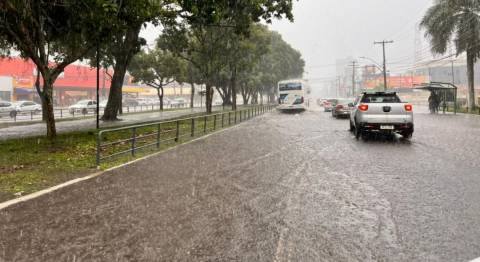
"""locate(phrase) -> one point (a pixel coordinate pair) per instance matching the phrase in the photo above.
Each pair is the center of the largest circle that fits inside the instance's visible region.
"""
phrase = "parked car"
(146, 101)
(83, 106)
(27, 107)
(328, 104)
(103, 103)
(342, 108)
(178, 102)
(381, 112)
(7, 109)
(129, 101)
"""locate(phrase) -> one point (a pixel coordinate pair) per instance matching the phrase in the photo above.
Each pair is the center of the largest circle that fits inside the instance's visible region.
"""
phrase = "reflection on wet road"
(281, 187)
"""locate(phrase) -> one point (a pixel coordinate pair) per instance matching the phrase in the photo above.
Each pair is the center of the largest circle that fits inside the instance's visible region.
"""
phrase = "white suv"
(83, 106)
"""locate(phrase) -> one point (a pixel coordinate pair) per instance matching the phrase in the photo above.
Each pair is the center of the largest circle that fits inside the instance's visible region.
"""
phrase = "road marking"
(46, 191)
(77, 180)
(280, 245)
(476, 260)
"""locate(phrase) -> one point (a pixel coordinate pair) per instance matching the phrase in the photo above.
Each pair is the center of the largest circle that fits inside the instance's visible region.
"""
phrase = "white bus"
(293, 94)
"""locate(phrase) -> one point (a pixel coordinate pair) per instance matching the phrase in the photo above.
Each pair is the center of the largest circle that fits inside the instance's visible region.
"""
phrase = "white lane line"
(280, 245)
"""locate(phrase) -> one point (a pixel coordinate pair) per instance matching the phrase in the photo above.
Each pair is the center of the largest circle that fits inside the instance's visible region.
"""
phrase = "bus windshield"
(290, 86)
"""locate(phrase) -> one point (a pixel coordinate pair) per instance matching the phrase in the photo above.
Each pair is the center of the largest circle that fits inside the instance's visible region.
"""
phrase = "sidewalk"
(39, 129)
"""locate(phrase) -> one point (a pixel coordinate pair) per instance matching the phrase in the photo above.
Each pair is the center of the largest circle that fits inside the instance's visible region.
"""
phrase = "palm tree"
(456, 20)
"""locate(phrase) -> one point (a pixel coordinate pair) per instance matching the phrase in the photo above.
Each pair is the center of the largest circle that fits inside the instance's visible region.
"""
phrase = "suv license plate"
(386, 127)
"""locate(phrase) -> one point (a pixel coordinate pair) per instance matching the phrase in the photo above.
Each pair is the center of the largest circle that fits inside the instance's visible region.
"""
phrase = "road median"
(31, 164)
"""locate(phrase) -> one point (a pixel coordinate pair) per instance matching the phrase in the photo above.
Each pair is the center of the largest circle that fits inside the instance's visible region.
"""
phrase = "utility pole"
(338, 86)
(354, 67)
(383, 43)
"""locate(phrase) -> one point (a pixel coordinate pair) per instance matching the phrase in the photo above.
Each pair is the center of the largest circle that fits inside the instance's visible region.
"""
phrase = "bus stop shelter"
(442, 89)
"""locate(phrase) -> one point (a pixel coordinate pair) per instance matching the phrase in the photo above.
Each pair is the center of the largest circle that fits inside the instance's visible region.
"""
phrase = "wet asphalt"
(280, 187)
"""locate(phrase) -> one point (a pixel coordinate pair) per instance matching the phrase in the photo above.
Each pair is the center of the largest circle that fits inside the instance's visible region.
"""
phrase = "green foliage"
(456, 20)
(157, 68)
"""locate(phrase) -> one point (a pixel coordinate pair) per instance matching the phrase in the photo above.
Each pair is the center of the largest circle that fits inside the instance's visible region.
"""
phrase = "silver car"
(7, 109)
(381, 112)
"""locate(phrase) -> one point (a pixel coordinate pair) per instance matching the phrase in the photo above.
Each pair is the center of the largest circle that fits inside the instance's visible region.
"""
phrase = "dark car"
(342, 108)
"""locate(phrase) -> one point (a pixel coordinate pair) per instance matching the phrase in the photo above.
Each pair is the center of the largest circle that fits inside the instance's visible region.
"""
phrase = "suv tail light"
(363, 107)
(408, 108)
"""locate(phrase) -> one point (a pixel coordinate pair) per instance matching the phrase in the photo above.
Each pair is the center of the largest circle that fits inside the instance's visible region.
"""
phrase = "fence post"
(205, 125)
(134, 136)
(61, 113)
(193, 127)
(214, 122)
(128, 109)
(159, 130)
(177, 132)
(31, 115)
(229, 119)
(235, 118)
(223, 118)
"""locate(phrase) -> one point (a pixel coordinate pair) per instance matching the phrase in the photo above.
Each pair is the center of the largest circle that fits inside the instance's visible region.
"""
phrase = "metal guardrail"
(61, 113)
(115, 142)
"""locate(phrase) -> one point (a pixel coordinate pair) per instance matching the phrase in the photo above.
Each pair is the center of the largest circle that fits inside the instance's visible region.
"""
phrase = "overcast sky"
(326, 30)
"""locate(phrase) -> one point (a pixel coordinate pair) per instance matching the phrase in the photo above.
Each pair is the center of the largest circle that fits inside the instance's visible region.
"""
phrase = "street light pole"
(98, 87)
(354, 66)
(383, 43)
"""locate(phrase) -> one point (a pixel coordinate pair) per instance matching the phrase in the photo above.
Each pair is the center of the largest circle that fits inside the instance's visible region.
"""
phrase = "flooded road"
(280, 187)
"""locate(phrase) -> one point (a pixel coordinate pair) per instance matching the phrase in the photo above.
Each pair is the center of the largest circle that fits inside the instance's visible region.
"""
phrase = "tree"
(192, 76)
(456, 20)
(282, 62)
(200, 46)
(206, 23)
(53, 34)
(126, 42)
(157, 69)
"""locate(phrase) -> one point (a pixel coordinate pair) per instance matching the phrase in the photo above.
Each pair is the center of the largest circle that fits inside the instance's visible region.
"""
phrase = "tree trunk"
(192, 94)
(114, 103)
(255, 98)
(47, 101)
(233, 88)
(208, 99)
(160, 97)
(471, 83)
(122, 58)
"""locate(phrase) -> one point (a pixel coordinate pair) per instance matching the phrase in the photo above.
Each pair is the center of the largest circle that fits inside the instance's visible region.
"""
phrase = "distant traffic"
(373, 113)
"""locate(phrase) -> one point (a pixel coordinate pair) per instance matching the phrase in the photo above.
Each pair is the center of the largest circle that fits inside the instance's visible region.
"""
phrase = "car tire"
(407, 134)
(36, 112)
(358, 132)
(352, 127)
(13, 114)
(84, 111)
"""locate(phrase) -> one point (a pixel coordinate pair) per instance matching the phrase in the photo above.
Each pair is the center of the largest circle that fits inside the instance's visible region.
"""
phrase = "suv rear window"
(381, 98)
